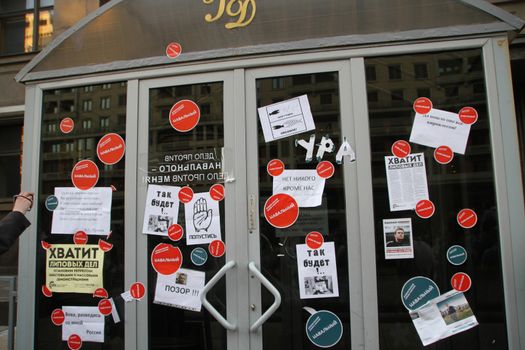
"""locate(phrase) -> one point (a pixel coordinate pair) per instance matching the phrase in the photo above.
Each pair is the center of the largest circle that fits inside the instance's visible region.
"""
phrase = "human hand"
(201, 215)
(23, 202)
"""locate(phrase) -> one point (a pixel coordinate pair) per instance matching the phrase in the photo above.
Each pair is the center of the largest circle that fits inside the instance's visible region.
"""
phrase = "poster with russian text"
(161, 210)
(407, 181)
(203, 219)
(72, 268)
(181, 290)
(305, 186)
(317, 271)
(85, 321)
(78, 210)
(398, 238)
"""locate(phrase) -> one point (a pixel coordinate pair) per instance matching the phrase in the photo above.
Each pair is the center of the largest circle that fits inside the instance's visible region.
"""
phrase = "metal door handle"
(277, 302)
(224, 322)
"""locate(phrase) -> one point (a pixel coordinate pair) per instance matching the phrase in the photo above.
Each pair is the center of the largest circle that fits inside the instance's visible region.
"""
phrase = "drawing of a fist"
(201, 215)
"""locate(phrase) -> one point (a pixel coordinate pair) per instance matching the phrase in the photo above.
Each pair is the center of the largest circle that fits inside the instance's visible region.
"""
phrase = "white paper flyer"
(398, 238)
(407, 181)
(305, 186)
(85, 321)
(181, 289)
(161, 210)
(317, 271)
(203, 219)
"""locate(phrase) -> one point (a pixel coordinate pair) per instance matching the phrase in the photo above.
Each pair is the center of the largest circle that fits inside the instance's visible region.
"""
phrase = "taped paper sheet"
(203, 219)
(438, 128)
(84, 321)
(398, 238)
(181, 289)
(305, 186)
(77, 210)
(162, 209)
(317, 271)
(407, 181)
(286, 118)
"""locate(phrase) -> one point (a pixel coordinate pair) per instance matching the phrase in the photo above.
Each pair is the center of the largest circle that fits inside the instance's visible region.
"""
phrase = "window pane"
(466, 182)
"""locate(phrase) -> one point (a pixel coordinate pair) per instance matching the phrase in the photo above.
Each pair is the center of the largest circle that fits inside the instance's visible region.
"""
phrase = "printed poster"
(162, 209)
(442, 317)
(398, 238)
(72, 268)
(286, 118)
(181, 289)
(407, 181)
(78, 210)
(203, 219)
(305, 186)
(438, 128)
(84, 321)
(317, 271)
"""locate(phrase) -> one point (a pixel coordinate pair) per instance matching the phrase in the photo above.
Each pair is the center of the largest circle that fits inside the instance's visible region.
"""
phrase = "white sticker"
(317, 271)
(127, 296)
(203, 220)
(181, 289)
(305, 186)
(114, 312)
(85, 321)
(162, 209)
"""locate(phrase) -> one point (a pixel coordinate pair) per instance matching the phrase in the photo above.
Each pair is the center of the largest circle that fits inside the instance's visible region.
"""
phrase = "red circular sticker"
(175, 232)
(275, 167)
(166, 259)
(425, 208)
(100, 293)
(217, 192)
(281, 210)
(185, 194)
(137, 290)
(45, 245)
(314, 240)
(105, 307)
(400, 148)
(217, 248)
(184, 115)
(111, 148)
(74, 342)
(104, 246)
(67, 125)
(46, 291)
(58, 317)
(173, 50)
(325, 169)
(80, 237)
(467, 218)
(443, 154)
(422, 105)
(461, 282)
(468, 115)
(85, 174)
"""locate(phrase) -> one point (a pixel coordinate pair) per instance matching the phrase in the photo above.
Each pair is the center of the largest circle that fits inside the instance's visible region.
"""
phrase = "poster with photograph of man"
(161, 210)
(317, 271)
(397, 234)
(318, 285)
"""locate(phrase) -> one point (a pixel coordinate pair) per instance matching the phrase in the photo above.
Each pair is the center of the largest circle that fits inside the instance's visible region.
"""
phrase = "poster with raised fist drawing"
(203, 219)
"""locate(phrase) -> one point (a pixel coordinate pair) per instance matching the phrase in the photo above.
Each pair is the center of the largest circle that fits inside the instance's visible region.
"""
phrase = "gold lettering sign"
(242, 10)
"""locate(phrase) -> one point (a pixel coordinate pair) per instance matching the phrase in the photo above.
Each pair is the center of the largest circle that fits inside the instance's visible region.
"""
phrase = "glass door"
(302, 189)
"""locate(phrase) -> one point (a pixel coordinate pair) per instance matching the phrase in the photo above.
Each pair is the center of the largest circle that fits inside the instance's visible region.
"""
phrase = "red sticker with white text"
(173, 50)
(425, 208)
(47, 293)
(137, 290)
(175, 232)
(314, 240)
(166, 259)
(105, 307)
(217, 192)
(74, 342)
(58, 317)
(467, 218)
(217, 248)
(422, 105)
(325, 169)
(185, 194)
(443, 154)
(100, 293)
(80, 237)
(275, 167)
(400, 148)
(461, 282)
(67, 125)
(104, 246)
(111, 148)
(184, 115)
(281, 210)
(85, 174)
(468, 115)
